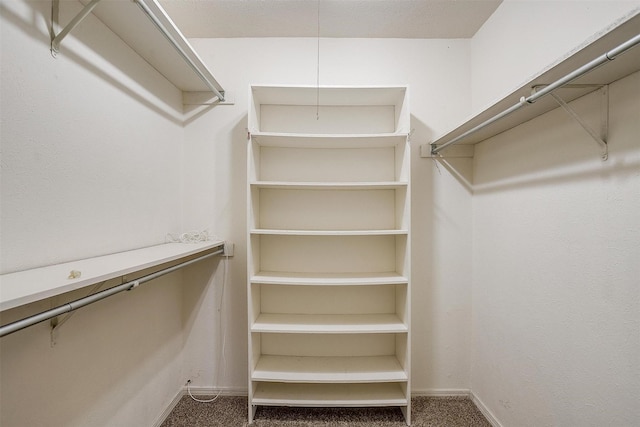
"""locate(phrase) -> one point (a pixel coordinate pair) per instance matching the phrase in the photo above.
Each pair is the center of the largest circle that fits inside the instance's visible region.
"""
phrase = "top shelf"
(329, 110)
(620, 67)
(28, 286)
(157, 43)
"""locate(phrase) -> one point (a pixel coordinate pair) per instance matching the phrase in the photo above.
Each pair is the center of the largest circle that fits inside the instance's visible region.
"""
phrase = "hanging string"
(318, 69)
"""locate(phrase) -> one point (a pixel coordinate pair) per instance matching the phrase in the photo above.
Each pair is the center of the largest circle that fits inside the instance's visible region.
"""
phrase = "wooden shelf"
(338, 395)
(329, 323)
(382, 185)
(292, 369)
(620, 67)
(328, 232)
(297, 140)
(28, 286)
(131, 24)
(329, 279)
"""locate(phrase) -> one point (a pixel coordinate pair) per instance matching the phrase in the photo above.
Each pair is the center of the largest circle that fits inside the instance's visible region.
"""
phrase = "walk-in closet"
(319, 212)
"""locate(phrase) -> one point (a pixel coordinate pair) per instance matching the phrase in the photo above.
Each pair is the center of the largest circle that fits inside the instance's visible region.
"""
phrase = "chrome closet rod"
(79, 303)
(605, 57)
(210, 81)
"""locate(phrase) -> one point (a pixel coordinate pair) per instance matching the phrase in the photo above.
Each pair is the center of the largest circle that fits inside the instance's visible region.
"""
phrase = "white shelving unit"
(329, 247)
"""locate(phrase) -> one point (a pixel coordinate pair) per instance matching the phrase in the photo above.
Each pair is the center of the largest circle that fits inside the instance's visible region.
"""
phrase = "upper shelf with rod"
(154, 37)
(604, 60)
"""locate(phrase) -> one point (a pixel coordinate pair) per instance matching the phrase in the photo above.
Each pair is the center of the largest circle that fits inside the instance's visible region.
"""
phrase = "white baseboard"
(197, 391)
(167, 411)
(441, 392)
(431, 392)
(212, 391)
(485, 411)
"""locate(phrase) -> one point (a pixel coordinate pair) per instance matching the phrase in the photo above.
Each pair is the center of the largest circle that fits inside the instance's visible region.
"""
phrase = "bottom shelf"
(337, 395)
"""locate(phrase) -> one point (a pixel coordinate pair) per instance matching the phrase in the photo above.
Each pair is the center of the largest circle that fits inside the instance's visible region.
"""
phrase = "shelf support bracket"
(56, 39)
(600, 139)
(57, 322)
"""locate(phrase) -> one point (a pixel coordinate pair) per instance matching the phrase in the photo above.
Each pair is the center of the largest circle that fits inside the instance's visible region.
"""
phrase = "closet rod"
(605, 57)
(208, 80)
(74, 305)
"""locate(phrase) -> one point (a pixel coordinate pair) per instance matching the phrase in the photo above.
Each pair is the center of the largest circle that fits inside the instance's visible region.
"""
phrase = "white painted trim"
(230, 391)
(485, 410)
(169, 408)
(197, 391)
(441, 392)
(212, 391)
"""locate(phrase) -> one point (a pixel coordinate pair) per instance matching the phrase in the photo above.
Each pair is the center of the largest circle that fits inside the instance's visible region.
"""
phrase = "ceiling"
(338, 18)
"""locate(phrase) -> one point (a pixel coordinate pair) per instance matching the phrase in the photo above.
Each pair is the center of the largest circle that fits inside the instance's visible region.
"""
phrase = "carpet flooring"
(231, 411)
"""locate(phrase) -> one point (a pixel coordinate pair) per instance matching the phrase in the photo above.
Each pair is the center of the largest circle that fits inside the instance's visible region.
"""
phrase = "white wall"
(215, 186)
(95, 159)
(556, 302)
(555, 248)
(523, 37)
(91, 143)
(91, 164)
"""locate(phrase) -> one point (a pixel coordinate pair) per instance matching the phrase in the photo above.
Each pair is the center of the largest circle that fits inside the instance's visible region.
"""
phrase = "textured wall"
(91, 143)
(437, 72)
(524, 37)
(555, 269)
(91, 164)
(555, 295)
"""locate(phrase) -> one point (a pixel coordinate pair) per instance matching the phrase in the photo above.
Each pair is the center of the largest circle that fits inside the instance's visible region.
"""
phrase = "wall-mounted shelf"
(622, 66)
(145, 27)
(28, 286)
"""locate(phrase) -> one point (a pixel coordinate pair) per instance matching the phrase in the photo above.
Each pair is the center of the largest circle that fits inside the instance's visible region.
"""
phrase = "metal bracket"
(56, 39)
(460, 151)
(57, 322)
(601, 138)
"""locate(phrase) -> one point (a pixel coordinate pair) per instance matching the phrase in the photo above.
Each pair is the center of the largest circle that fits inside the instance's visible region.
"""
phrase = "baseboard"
(229, 391)
(168, 409)
(442, 392)
(485, 411)
(212, 391)
(197, 391)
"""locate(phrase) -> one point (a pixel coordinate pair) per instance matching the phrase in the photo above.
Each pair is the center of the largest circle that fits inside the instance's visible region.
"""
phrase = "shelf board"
(339, 185)
(28, 286)
(620, 67)
(130, 23)
(296, 140)
(297, 369)
(328, 279)
(329, 323)
(336, 395)
(329, 95)
(328, 232)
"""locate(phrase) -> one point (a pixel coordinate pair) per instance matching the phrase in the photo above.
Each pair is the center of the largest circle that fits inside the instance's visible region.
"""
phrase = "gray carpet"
(228, 411)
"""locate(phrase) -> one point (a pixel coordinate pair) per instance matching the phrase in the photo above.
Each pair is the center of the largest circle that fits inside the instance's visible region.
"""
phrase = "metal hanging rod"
(605, 57)
(208, 79)
(79, 303)
(167, 28)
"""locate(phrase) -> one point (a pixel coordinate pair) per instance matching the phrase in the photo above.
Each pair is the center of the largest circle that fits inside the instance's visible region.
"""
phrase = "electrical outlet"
(228, 249)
